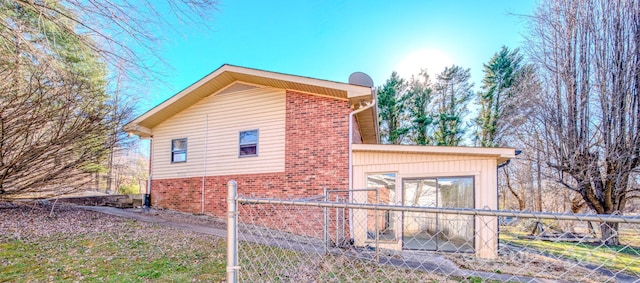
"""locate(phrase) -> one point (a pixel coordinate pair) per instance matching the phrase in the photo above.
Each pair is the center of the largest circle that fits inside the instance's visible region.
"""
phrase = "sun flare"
(433, 60)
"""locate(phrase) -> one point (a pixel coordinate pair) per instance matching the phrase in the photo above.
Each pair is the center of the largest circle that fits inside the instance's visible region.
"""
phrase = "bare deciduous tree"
(588, 52)
(123, 33)
(58, 64)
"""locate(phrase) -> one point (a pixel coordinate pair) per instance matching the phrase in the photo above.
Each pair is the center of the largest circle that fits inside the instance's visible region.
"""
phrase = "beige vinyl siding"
(414, 165)
(429, 165)
(226, 115)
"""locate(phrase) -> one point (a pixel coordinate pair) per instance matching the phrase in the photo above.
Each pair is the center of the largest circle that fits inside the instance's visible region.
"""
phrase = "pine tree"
(502, 75)
(452, 94)
(420, 109)
(392, 97)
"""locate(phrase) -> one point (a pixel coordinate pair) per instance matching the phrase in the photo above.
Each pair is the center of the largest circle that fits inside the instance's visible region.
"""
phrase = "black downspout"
(518, 152)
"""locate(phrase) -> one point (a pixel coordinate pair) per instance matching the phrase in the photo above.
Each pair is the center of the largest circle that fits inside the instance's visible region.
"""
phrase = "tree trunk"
(539, 182)
(519, 198)
(609, 233)
(577, 204)
(110, 172)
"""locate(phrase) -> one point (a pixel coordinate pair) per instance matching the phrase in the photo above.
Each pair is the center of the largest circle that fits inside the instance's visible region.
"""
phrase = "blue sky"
(331, 39)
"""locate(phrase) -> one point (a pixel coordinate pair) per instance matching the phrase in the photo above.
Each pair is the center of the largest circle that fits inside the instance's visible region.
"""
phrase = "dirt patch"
(33, 221)
(25, 221)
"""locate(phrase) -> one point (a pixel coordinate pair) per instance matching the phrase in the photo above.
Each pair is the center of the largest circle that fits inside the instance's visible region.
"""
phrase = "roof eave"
(227, 74)
(137, 130)
(501, 154)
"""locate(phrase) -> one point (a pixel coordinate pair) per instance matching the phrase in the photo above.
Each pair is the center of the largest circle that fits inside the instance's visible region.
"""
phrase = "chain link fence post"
(232, 233)
(326, 223)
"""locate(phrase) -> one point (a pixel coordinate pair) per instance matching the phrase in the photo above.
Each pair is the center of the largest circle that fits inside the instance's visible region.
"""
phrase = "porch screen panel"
(419, 229)
(383, 191)
(443, 232)
(456, 230)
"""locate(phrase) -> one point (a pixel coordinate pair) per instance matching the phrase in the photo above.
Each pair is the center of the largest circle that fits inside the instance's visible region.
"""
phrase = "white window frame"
(181, 151)
(241, 144)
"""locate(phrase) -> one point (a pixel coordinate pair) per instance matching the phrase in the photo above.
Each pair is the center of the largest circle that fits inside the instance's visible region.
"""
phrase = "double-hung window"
(248, 143)
(178, 150)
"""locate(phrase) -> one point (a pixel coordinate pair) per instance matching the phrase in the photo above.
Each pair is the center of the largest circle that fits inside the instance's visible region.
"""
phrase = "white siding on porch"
(226, 115)
(414, 165)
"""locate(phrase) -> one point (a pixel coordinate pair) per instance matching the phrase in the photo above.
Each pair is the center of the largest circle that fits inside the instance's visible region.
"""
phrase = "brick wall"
(317, 144)
(317, 156)
(185, 194)
(357, 138)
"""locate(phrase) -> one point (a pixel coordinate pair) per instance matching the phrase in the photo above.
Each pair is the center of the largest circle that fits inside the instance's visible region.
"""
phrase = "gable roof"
(228, 75)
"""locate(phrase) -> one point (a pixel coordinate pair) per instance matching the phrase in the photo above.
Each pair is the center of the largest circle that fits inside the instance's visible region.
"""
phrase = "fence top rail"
(611, 218)
(354, 190)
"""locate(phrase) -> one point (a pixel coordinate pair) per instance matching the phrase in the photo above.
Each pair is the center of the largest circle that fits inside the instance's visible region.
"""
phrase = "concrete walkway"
(150, 218)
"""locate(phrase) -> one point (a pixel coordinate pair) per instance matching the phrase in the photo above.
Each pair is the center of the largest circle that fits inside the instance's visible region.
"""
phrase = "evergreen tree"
(502, 75)
(392, 97)
(452, 94)
(420, 109)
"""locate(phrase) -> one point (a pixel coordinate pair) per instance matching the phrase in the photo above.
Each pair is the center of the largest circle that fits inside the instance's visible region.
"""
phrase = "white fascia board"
(458, 150)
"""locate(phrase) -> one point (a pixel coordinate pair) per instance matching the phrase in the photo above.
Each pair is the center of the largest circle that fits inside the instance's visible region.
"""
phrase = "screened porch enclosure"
(438, 232)
(421, 231)
(426, 177)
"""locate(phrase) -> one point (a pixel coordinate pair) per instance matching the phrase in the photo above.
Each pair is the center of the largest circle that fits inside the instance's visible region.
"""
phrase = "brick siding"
(317, 156)
(357, 137)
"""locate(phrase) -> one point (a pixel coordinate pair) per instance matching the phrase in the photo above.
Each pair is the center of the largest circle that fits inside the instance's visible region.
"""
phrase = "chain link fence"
(321, 240)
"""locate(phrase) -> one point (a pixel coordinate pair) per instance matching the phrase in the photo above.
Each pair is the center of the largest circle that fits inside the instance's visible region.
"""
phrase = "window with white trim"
(248, 145)
(178, 150)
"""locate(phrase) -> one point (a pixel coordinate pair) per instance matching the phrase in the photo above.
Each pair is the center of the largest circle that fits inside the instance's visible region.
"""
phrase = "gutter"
(147, 196)
(518, 151)
(351, 116)
(504, 164)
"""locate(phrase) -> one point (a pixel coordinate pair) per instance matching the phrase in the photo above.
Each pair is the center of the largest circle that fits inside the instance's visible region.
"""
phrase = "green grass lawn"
(267, 263)
(90, 248)
(618, 258)
(110, 258)
(85, 246)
